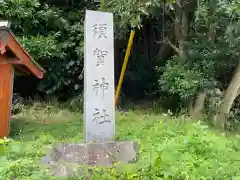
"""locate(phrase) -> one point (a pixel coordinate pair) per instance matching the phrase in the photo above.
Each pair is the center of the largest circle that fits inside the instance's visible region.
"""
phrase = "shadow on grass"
(25, 129)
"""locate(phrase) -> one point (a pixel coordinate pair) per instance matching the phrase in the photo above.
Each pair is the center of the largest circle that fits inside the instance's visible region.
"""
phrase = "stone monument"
(99, 148)
(99, 109)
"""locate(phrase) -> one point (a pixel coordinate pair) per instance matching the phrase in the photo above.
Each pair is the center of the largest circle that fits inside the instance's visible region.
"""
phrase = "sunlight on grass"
(169, 147)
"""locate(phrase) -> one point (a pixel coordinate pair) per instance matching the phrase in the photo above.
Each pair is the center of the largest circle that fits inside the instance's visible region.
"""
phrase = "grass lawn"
(170, 148)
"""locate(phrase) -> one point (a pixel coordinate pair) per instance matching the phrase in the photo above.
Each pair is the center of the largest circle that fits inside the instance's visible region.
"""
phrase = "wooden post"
(6, 89)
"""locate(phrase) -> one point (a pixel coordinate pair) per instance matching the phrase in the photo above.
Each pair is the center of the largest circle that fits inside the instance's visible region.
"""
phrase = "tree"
(200, 41)
(209, 51)
(54, 37)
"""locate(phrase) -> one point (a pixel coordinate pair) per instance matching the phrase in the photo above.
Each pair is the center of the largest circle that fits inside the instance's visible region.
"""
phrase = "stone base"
(72, 159)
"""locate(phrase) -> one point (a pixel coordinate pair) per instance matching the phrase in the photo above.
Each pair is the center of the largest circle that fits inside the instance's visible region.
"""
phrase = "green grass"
(170, 148)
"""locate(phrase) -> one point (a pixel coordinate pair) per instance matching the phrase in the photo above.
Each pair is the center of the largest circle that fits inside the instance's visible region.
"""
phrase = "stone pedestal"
(74, 159)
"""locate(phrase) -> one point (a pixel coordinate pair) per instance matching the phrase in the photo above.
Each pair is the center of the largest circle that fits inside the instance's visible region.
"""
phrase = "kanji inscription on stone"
(99, 108)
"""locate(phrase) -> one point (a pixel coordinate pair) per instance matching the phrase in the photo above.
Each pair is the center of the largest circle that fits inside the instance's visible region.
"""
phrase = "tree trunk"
(229, 97)
(190, 107)
(199, 105)
(196, 106)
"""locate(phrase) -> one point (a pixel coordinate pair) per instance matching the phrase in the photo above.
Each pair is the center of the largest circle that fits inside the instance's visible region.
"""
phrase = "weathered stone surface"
(69, 159)
(99, 87)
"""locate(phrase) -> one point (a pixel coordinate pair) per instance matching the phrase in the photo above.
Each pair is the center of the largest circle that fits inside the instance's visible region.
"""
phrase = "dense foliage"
(53, 36)
(186, 51)
(204, 38)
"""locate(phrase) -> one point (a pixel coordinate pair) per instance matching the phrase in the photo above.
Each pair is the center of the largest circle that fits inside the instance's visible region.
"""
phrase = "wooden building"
(13, 59)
